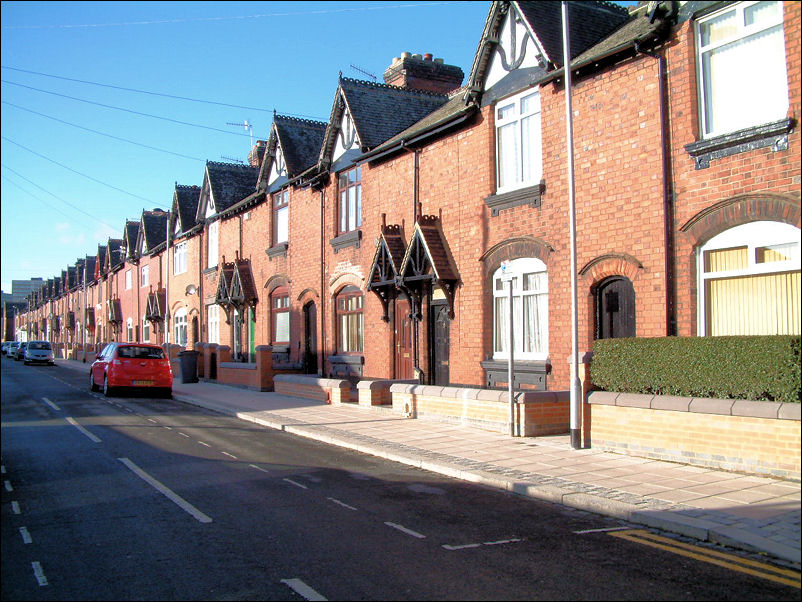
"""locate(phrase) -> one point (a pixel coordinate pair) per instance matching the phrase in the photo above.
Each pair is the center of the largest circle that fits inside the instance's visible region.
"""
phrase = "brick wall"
(754, 437)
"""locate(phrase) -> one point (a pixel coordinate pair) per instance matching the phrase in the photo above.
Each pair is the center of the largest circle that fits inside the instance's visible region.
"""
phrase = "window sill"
(349, 239)
(527, 372)
(210, 270)
(530, 195)
(279, 250)
(771, 134)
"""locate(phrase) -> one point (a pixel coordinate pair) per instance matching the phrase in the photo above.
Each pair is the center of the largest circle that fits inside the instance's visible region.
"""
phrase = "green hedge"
(761, 368)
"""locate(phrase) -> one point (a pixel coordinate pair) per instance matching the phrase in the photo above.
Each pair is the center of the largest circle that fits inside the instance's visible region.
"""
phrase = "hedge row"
(760, 368)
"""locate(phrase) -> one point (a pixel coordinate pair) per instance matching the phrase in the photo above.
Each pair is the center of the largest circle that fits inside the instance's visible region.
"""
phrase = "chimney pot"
(427, 56)
(416, 56)
(406, 55)
(438, 61)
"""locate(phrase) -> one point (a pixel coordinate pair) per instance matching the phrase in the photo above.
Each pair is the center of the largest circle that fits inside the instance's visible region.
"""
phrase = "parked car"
(131, 365)
(4, 347)
(39, 352)
(20, 354)
(12, 349)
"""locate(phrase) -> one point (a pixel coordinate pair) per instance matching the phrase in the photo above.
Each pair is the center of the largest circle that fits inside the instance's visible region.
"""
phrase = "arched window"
(180, 326)
(280, 315)
(350, 325)
(530, 300)
(749, 281)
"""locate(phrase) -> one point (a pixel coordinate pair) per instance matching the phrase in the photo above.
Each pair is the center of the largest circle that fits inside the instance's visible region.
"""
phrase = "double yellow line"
(729, 561)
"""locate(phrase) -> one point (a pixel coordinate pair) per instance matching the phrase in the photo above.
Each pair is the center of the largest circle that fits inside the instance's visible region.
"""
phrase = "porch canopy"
(384, 275)
(428, 262)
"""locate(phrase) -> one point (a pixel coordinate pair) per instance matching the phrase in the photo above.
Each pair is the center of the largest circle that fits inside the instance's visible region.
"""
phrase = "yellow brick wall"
(761, 445)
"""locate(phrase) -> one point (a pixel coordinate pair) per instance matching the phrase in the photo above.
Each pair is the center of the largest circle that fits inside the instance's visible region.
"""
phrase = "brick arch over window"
(276, 281)
(611, 264)
(335, 284)
(515, 248)
(308, 294)
(741, 210)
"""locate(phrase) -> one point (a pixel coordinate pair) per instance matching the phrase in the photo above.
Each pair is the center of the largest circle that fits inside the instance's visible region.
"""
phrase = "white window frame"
(129, 328)
(180, 258)
(512, 114)
(145, 330)
(525, 337)
(213, 234)
(128, 280)
(764, 97)
(281, 217)
(753, 235)
(145, 275)
(180, 326)
(213, 322)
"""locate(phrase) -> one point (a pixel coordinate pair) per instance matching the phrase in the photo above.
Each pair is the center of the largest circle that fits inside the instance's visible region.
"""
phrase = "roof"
(451, 113)
(379, 112)
(130, 236)
(228, 183)
(589, 23)
(153, 230)
(185, 206)
(114, 256)
(300, 140)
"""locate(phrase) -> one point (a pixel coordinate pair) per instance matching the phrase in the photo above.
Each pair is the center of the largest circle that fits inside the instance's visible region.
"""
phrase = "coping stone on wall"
(705, 405)
(634, 400)
(766, 409)
(671, 402)
(790, 411)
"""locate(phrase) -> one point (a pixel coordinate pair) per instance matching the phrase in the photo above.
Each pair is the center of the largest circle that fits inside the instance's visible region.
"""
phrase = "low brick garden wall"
(745, 436)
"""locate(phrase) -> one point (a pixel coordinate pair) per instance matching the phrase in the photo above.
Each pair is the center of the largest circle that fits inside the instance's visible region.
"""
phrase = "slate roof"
(185, 206)
(130, 237)
(637, 28)
(90, 267)
(153, 230)
(379, 112)
(114, 257)
(589, 23)
(450, 112)
(100, 264)
(300, 140)
(228, 184)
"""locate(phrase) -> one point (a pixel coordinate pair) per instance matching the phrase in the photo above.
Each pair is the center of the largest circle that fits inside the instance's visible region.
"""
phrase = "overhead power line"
(80, 127)
(241, 17)
(82, 81)
(75, 171)
(205, 127)
(32, 183)
(175, 97)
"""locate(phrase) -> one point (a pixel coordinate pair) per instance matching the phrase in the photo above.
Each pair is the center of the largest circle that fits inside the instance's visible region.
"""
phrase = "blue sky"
(94, 131)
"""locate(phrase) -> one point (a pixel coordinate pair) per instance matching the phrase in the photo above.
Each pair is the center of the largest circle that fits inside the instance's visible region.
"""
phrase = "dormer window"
(518, 142)
(350, 195)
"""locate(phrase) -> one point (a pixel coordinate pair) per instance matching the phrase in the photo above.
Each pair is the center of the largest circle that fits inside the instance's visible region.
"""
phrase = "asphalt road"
(131, 497)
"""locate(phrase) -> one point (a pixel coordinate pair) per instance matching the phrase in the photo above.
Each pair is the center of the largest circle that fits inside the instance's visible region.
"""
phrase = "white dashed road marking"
(302, 589)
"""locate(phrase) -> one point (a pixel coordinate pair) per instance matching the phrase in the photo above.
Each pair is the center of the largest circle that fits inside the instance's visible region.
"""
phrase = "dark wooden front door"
(310, 338)
(404, 362)
(615, 308)
(440, 343)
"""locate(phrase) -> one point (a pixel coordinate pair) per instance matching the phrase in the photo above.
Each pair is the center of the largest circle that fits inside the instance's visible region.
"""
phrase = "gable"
(517, 48)
(347, 136)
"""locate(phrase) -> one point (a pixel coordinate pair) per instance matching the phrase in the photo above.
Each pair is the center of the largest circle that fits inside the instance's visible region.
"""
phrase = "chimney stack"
(257, 153)
(423, 73)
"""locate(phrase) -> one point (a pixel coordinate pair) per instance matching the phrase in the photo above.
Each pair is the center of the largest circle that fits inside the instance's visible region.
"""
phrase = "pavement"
(758, 514)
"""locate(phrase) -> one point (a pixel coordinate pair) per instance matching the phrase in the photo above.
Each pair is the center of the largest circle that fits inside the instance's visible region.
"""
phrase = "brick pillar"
(264, 366)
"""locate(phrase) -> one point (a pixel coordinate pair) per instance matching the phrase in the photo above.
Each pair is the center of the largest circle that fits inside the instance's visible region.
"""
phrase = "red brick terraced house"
(382, 244)
(184, 268)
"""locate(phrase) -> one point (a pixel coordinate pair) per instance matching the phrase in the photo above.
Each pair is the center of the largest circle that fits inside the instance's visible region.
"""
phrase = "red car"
(134, 365)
